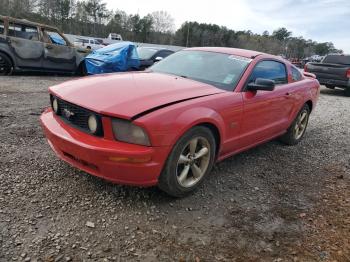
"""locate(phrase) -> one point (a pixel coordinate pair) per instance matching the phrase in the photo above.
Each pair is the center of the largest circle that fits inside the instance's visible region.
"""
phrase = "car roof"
(27, 22)
(155, 48)
(230, 51)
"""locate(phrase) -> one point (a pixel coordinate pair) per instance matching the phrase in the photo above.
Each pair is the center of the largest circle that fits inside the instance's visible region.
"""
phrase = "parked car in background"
(333, 71)
(101, 42)
(296, 62)
(88, 43)
(150, 55)
(114, 36)
(169, 125)
(28, 46)
(118, 57)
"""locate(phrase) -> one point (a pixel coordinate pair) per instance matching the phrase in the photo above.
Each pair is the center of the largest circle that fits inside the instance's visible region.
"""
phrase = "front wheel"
(189, 162)
(297, 129)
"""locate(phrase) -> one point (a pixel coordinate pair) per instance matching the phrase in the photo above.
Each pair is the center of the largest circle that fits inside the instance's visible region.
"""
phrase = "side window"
(23, 31)
(55, 38)
(296, 75)
(269, 69)
(162, 54)
(2, 27)
(165, 54)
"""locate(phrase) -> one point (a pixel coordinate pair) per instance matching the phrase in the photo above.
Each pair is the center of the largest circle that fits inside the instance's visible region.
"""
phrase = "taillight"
(305, 68)
(348, 73)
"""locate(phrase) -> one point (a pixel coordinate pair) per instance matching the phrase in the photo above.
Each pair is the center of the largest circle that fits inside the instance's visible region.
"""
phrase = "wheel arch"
(310, 104)
(215, 130)
(10, 57)
(209, 118)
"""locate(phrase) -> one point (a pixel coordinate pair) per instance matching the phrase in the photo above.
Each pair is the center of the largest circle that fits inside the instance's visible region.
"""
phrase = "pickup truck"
(91, 44)
(333, 71)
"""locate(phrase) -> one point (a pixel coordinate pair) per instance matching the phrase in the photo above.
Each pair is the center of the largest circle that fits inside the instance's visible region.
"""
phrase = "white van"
(114, 36)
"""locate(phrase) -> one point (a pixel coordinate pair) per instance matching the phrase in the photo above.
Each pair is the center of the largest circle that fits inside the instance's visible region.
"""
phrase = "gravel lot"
(272, 203)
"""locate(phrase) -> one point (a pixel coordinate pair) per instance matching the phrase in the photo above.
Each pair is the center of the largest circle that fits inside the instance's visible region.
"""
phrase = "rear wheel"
(297, 129)
(189, 162)
(6, 66)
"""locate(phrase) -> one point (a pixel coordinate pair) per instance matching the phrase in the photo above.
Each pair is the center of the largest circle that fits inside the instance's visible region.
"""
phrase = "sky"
(319, 20)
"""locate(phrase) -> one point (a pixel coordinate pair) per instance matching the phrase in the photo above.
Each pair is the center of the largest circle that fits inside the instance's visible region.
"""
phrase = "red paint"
(243, 119)
(348, 73)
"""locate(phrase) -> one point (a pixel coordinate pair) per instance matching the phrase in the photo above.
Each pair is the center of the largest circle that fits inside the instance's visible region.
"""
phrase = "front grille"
(77, 116)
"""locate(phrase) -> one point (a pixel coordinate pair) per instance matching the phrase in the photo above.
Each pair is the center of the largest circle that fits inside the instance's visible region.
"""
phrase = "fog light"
(92, 123)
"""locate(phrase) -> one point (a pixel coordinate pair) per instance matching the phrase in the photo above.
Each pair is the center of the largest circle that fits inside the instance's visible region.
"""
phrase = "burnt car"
(28, 46)
(150, 55)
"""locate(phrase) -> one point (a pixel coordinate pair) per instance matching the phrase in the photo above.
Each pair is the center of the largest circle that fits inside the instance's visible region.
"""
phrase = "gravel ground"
(271, 203)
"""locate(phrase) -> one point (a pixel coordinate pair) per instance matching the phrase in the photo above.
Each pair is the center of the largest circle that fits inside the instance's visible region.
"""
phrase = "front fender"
(169, 127)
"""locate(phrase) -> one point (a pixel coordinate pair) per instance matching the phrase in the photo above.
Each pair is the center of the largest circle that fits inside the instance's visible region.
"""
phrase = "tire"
(330, 86)
(82, 69)
(294, 135)
(6, 66)
(183, 172)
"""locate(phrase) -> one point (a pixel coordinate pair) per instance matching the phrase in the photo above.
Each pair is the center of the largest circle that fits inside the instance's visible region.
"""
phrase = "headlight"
(126, 131)
(55, 105)
(92, 124)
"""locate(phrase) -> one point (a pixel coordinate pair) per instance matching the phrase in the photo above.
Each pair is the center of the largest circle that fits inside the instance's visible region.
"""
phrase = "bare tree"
(163, 22)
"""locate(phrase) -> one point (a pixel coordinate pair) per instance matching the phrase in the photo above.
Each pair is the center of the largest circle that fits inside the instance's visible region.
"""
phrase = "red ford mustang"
(167, 126)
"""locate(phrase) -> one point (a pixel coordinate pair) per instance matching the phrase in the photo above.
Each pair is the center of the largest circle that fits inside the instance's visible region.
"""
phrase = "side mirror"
(262, 84)
(158, 59)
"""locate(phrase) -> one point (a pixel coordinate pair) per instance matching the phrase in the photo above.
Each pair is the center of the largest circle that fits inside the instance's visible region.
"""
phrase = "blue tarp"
(117, 57)
(57, 40)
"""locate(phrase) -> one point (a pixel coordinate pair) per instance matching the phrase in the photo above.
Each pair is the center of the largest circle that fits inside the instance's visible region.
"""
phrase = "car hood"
(126, 95)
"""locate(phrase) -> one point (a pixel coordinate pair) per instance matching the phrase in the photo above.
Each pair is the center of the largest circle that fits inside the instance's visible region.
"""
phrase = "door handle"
(288, 95)
(49, 47)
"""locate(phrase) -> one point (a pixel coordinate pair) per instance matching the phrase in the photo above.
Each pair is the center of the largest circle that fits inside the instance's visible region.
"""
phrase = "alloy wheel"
(193, 162)
(300, 125)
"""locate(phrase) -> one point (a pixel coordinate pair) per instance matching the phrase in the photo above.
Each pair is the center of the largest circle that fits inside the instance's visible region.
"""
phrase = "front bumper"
(114, 161)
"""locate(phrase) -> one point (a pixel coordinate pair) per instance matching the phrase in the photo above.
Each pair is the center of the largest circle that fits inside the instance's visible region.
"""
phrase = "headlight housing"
(126, 131)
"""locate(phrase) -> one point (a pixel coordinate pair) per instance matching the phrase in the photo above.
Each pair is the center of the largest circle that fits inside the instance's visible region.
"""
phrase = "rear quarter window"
(296, 74)
(2, 27)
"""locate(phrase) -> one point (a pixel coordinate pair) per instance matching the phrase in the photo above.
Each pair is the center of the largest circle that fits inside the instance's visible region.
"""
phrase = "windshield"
(146, 53)
(220, 70)
(337, 59)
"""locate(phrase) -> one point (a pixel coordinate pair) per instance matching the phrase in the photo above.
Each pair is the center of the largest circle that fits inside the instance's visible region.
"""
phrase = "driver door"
(266, 113)
(58, 54)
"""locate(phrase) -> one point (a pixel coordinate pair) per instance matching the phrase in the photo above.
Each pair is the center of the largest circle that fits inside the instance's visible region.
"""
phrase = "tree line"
(92, 18)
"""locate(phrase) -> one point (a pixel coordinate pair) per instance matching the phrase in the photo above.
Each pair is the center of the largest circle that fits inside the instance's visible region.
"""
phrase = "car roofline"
(12, 19)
